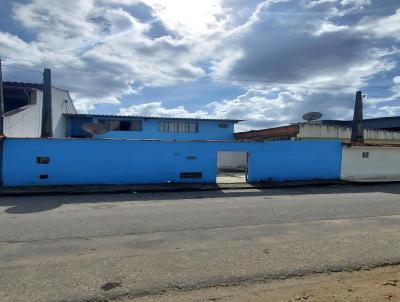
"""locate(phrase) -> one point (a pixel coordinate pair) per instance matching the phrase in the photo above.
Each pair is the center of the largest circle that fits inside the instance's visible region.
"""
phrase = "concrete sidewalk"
(153, 188)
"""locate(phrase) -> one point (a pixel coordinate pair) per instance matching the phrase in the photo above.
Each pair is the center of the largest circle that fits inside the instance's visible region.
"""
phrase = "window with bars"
(178, 126)
(122, 125)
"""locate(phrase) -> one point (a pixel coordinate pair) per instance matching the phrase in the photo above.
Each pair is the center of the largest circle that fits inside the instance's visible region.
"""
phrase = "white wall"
(379, 163)
(310, 130)
(25, 121)
(227, 160)
(59, 107)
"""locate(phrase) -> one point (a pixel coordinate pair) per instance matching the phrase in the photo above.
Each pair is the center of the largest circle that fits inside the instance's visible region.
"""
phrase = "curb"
(120, 189)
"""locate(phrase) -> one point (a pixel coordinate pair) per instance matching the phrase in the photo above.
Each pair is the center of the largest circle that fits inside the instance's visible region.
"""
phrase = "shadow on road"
(31, 206)
(37, 204)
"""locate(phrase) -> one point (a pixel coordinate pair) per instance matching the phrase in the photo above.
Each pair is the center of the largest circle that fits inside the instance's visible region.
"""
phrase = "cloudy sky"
(267, 62)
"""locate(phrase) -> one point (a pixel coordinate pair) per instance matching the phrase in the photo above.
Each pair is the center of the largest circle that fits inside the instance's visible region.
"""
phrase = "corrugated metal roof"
(386, 122)
(149, 117)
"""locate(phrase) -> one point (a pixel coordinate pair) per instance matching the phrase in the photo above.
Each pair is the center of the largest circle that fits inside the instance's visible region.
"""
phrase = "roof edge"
(152, 117)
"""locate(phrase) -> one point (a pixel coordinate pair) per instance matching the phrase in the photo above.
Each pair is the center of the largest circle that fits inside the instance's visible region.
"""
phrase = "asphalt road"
(88, 248)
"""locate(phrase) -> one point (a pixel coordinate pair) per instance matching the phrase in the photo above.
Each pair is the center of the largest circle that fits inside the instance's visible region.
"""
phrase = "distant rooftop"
(22, 84)
(37, 86)
(385, 123)
(150, 117)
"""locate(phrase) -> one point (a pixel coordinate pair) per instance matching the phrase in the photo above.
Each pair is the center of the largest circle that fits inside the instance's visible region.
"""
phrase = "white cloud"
(28, 54)
(99, 51)
(384, 111)
(386, 27)
(190, 18)
(259, 108)
(158, 109)
(356, 3)
(290, 56)
(328, 27)
(396, 87)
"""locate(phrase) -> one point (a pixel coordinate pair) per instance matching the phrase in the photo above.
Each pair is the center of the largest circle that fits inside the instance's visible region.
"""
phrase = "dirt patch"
(380, 284)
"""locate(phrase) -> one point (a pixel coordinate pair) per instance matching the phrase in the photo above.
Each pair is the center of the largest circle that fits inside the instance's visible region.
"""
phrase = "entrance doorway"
(232, 166)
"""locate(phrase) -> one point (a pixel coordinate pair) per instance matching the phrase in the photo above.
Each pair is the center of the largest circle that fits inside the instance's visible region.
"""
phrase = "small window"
(136, 125)
(43, 160)
(122, 125)
(172, 127)
(193, 127)
(113, 125)
(223, 125)
(43, 176)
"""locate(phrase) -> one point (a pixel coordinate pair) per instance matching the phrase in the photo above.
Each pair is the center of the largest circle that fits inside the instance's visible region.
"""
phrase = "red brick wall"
(285, 132)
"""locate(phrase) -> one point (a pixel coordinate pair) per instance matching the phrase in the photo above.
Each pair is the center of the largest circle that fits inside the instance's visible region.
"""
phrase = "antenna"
(357, 131)
(94, 128)
(47, 118)
(312, 116)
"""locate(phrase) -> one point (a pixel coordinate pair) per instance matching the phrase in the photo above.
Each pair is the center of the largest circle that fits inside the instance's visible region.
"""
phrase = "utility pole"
(1, 124)
(1, 102)
(47, 121)
(357, 131)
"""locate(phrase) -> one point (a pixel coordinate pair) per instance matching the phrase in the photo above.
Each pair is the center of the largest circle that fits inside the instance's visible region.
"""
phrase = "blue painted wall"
(88, 161)
(207, 130)
(295, 160)
(81, 161)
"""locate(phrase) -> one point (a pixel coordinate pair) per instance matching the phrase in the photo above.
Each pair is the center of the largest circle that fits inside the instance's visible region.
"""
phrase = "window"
(176, 126)
(136, 125)
(16, 97)
(122, 125)
(125, 125)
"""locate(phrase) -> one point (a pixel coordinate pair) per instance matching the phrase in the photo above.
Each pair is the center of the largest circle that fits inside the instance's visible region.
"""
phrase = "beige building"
(317, 130)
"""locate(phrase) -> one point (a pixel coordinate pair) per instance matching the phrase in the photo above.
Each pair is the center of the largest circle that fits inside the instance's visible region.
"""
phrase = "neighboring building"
(23, 110)
(391, 123)
(318, 130)
(142, 127)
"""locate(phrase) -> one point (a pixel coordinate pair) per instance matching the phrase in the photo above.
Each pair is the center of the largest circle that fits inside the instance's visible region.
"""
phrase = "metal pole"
(1, 102)
(1, 125)
(47, 123)
(357, 131)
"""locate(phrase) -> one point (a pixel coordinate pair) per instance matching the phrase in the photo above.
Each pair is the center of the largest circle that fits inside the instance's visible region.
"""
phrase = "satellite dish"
(94, 128)
(312, 116)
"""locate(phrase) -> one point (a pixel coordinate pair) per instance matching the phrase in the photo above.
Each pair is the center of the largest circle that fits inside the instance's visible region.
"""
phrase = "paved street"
(92, 247)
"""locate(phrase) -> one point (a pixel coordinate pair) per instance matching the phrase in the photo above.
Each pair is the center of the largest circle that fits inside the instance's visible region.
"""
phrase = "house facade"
(23, 104)
(142, 127)
(23, 117)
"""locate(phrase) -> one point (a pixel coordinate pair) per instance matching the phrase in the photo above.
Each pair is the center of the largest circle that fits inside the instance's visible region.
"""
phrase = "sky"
(266, 62)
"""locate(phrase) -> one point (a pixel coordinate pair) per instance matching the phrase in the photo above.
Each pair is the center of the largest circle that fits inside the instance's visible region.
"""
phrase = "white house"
(23, 110)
